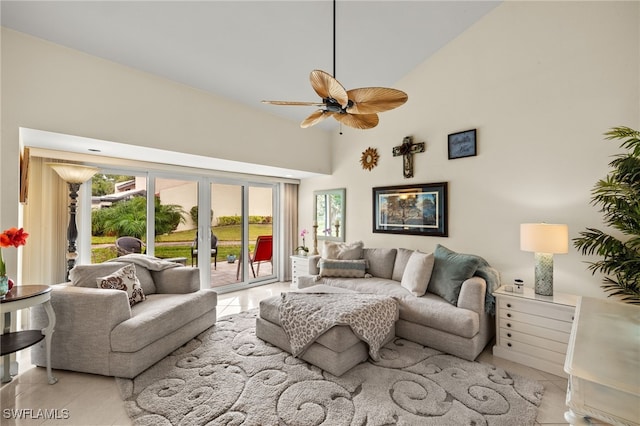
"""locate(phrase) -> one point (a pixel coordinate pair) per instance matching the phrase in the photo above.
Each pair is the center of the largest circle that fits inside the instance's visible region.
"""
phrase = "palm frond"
(618, 196)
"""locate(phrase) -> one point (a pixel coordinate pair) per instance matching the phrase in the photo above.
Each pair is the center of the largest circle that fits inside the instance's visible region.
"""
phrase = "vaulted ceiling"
(248, 51)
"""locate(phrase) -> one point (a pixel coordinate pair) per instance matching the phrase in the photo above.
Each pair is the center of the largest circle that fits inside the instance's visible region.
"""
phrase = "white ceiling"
(248, 51)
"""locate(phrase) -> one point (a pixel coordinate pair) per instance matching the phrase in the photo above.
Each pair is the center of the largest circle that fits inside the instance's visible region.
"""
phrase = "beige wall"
(541, 81)
(49, 87)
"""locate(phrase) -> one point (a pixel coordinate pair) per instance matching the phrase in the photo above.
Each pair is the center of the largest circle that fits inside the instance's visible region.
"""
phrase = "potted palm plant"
(618, 196)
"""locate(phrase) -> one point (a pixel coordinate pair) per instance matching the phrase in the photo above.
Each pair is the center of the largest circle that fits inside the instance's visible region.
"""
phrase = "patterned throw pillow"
(124, 279)
(342, 268)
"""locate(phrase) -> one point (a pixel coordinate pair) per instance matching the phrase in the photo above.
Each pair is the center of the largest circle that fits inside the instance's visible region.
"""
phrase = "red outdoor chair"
(262, 252)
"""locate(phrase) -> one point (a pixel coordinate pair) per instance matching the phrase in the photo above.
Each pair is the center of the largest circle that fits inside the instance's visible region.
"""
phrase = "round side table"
(21, 297)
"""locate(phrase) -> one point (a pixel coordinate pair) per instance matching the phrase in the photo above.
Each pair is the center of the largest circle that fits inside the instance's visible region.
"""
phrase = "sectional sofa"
(444, 298)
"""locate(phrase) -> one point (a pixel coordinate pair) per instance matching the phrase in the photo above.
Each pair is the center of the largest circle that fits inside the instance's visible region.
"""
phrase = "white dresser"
(604, 363)
(534, 330)
(299, 266)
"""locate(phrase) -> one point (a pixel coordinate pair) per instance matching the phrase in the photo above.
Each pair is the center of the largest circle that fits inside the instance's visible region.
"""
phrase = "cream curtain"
(289, 227)
(45, 219)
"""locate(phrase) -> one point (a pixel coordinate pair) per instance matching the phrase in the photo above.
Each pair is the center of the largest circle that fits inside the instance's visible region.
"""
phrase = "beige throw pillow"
(417, 273)
(124, 279)
(343, 251)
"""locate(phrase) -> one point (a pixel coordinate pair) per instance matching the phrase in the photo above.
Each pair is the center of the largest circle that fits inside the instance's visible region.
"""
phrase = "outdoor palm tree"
(129, 218)
(618, 196)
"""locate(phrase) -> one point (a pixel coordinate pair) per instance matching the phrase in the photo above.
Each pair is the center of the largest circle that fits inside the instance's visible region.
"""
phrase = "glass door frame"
(204, 221)
(247, 280)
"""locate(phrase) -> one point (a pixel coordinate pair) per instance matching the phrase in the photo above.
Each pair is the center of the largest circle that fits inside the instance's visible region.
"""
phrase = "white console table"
(603, 363)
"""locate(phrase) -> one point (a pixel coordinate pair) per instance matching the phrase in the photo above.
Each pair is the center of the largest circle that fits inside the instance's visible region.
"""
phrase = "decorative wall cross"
(407, 149)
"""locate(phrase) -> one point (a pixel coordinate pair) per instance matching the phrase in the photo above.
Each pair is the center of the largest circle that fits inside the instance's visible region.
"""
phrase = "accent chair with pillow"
(120, 317)
(444, 298)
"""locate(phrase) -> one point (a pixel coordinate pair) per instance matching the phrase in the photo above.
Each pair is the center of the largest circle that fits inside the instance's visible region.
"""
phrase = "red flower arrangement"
(11, 237)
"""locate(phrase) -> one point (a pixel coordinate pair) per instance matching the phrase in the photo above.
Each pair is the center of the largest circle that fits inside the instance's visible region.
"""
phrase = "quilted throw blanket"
(149, 262)
(306, 316)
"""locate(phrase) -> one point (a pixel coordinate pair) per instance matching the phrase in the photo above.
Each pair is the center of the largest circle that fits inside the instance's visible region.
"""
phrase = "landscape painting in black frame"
(462, 144)
(419, 209)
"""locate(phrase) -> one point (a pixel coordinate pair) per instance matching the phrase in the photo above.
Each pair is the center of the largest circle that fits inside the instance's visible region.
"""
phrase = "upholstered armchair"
(98, 331)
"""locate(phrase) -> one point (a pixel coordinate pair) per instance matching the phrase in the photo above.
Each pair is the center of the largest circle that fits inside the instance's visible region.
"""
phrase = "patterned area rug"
(227, 376)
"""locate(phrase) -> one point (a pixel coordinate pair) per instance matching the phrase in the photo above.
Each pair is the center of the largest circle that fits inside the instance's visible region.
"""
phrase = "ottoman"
(336, 351)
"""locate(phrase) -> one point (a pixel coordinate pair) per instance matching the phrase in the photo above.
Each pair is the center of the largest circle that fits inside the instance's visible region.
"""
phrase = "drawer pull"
(508, 305)
(508, 334)
(509, 344)
(508, 315)
(508, 324)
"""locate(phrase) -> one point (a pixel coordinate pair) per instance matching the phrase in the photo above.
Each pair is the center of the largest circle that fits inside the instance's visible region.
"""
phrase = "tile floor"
(85, 399)
(225, 273)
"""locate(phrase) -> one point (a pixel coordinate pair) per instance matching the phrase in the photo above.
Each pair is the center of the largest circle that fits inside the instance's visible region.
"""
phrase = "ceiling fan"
(357, 108)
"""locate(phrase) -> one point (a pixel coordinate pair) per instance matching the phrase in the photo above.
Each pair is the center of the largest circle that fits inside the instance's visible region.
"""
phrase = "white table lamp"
(545, 240)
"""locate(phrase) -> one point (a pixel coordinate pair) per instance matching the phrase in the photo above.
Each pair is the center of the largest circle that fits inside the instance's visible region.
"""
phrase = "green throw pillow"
(450, 270)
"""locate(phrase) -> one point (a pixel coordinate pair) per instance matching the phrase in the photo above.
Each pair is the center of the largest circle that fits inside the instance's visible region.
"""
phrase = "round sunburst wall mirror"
(369, 158)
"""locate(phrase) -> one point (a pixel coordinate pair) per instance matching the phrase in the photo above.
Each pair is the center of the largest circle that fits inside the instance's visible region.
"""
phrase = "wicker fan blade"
(359, 121)
(328, 87)
(315, 118)
(293, 103)
(371, 100)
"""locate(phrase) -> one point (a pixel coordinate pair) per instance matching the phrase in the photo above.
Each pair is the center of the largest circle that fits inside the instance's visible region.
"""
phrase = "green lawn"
(229, 233)
(224, 233)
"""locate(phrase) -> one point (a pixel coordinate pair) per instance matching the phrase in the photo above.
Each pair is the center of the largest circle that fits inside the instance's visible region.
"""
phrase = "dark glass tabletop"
(20, 292)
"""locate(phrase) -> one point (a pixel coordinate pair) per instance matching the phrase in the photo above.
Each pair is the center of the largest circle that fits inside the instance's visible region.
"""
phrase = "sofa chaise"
(451, 309)
(98, 330)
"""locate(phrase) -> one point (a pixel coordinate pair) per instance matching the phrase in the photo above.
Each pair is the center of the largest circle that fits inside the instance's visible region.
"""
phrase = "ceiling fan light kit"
(357, 108)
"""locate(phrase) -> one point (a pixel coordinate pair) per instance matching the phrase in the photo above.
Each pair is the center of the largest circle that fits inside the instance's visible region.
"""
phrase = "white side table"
(603, 362)
(534, 330)
(21, 297)
(299, 266)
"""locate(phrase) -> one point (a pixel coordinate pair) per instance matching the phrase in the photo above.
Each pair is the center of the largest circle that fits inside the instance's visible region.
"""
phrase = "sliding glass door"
(223, 227)
(261, 242)
(118, 214)
(227, 230)
(242, 226)
(175, 212)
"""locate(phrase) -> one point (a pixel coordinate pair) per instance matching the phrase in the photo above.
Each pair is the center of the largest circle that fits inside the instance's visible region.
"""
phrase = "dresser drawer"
(535, 351)
(533, 330)
(544, 322)
(540, 342)
(548, 310)
(299, 267)
(300, 271)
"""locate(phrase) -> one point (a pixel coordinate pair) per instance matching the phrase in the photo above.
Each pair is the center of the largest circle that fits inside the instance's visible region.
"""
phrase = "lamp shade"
(544, 238)
(73, 173)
